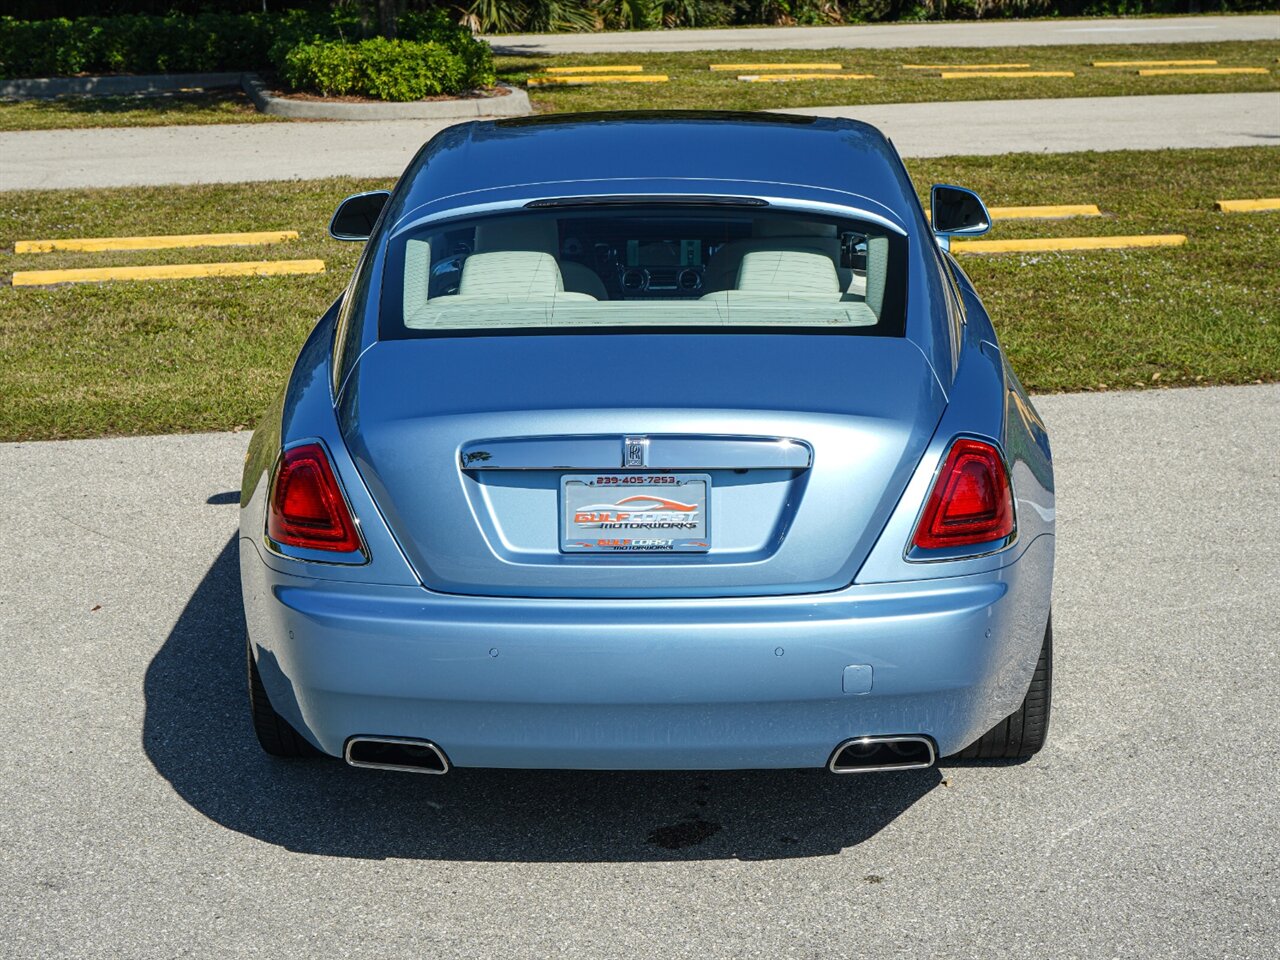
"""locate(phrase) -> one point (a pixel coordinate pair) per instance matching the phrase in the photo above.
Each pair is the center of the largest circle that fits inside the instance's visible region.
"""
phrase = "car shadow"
(198, 736)
(182, 101)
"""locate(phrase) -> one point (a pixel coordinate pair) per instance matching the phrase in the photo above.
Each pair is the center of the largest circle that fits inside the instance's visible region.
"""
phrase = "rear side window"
(657, 267)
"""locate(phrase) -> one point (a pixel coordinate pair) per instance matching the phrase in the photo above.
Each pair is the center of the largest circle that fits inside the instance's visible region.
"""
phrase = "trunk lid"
(805, 443)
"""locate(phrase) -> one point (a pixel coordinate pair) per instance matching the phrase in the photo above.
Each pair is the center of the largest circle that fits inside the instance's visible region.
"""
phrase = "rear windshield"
(623, 267)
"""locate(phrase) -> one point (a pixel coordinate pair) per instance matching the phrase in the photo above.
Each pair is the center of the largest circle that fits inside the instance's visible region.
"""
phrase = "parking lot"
(139, 819)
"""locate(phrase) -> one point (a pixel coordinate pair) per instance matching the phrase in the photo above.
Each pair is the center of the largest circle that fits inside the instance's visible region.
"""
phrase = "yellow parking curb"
(785, 77)
(1247, 206)
(1190, 71)
(628, 78)
(1058, 211)
(155, 243)
(1153, 63)
(631, 68)
(965, 66)
(949, 75)
(1045, 212)
(173, 271)
(776, 66)
(1049, 244)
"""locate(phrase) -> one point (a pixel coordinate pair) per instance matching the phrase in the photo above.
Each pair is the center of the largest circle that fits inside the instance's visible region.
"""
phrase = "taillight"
(970, 502)
(307, 508)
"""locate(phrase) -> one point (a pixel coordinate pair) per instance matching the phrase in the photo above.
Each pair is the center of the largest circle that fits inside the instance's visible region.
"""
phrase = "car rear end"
(720, 510)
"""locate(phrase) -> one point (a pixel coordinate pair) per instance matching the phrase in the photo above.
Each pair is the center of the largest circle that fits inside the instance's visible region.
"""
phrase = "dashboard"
(657, 258)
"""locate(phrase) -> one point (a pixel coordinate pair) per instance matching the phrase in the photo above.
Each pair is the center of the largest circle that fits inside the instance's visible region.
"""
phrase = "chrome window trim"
(405, 225)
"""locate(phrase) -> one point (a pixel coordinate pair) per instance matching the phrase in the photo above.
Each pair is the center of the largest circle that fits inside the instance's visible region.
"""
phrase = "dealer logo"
(638, 513)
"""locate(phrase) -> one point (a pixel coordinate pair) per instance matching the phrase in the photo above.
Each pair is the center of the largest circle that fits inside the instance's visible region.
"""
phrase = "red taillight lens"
(970, 502)
(307, 509)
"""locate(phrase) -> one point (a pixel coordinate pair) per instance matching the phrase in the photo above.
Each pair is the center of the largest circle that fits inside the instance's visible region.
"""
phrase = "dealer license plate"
(635, 513)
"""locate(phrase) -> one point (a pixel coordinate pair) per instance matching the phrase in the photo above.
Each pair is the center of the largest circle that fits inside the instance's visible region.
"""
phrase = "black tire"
(1023, 732)
(274, 732)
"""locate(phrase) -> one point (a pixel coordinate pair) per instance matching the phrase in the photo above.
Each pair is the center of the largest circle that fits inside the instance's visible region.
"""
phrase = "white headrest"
(516, 274)
(789, 271)
(518, 233)
(781, 227)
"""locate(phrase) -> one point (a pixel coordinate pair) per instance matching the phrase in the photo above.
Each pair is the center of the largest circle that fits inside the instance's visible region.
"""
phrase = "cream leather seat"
(538, 234)
(524, 283)
(801, 270)
(797, 273)
(513, 276)
(788, 274)
(771, 233)
(787, 286)
(510, 274)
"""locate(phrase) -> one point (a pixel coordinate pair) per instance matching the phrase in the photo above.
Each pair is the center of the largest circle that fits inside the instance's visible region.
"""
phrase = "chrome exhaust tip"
(396, 753)
(874, 754)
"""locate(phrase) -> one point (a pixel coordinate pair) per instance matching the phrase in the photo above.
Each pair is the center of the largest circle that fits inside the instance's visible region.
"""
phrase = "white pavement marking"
(1064, 126)
(38, 159)
(990, 33)
(138, 818)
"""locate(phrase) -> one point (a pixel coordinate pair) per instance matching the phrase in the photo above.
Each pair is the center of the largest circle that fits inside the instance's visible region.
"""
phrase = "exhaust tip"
(396, 753)
(874, 754)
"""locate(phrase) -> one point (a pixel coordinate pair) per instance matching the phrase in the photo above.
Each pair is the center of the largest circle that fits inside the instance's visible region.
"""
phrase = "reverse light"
(971, 501)
(307, 508)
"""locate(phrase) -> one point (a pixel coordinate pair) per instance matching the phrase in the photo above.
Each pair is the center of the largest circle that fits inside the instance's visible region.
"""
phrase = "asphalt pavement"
(985, 33)
(139, 819)
(47, 159)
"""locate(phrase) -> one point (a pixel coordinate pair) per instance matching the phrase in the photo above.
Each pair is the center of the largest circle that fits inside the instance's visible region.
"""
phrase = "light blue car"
(651, 441)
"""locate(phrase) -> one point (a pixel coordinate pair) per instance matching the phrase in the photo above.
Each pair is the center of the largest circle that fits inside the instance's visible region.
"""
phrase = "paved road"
(1078, 123)
(138, 819)
(267, 151)
(988, 33)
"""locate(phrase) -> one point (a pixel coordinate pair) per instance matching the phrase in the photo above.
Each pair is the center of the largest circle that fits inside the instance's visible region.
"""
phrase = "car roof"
(668, 152)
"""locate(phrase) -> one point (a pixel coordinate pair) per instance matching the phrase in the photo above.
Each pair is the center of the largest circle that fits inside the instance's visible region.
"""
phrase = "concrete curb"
(46, 88)
(514, 104)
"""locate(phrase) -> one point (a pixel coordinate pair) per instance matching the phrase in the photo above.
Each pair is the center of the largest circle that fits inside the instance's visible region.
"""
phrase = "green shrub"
(398, 70)
(323, 51)
(437, 27)
(134, 43)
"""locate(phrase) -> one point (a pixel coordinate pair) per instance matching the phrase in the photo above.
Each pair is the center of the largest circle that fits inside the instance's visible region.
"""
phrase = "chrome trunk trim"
(660, 453)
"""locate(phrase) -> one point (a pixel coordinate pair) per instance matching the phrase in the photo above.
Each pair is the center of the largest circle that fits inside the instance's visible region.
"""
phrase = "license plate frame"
(638, 513)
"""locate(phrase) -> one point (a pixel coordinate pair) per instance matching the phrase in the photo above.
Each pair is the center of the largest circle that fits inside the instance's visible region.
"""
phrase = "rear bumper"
(648, 684)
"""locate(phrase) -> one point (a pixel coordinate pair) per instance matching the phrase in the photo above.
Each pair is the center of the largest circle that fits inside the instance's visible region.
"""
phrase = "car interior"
(699, 265)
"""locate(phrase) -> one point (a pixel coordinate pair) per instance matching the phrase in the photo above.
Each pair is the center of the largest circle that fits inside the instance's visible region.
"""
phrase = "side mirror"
(955, 210)
(356, 215)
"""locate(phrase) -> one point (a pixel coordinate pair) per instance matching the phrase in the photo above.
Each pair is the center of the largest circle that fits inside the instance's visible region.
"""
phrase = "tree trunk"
(387, 18)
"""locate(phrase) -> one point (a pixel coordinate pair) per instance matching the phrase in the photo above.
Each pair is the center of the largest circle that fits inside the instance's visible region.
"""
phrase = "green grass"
(158, 357)
(694, 86)
(152, 110)
(1207, 312)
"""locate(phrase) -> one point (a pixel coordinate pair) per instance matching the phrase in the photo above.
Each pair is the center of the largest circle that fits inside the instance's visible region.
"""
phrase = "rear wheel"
(274, 732)
(1023, 732)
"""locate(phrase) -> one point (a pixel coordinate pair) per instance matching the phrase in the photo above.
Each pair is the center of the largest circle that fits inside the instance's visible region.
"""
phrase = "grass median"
(190, 107)
(172, 356)
(694, 86)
